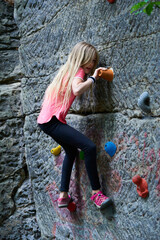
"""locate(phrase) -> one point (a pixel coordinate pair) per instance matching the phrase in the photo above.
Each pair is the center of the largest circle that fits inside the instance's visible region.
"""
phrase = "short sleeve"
(80, 74)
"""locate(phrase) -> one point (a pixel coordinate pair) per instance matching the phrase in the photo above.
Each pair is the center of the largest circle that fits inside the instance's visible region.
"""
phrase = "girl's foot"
(100, 200)
(64, 201)
(63, 195)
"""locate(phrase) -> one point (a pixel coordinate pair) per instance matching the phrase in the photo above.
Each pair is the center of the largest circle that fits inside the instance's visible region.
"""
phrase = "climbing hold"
(81, 155)
(144, 102)
(56, 151)
(142, 186)
(110, 148)
(106, 74)
(72, 206)
(111, 1)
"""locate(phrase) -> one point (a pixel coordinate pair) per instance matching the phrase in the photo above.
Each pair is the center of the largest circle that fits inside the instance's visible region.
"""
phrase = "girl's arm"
(79, 87)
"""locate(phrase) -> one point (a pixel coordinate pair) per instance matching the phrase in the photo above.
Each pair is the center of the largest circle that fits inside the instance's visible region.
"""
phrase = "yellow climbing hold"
(56, 151)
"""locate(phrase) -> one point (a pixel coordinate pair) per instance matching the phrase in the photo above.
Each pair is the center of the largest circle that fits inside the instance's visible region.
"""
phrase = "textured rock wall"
(128, 43)
(17, 209)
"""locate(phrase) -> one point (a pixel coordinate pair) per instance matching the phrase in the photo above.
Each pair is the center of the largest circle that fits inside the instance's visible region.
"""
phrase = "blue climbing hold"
(110, 148)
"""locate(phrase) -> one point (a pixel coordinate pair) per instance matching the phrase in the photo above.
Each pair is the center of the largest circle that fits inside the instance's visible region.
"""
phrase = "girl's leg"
(50, 129)
(73, 139)
(70, 139)
(71, 153)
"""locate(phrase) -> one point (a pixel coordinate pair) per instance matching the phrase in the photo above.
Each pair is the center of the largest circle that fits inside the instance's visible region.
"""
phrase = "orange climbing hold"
(106, 74)
(142, 186)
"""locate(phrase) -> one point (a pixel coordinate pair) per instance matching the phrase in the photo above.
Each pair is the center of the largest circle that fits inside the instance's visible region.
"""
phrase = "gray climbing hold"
(144, 102)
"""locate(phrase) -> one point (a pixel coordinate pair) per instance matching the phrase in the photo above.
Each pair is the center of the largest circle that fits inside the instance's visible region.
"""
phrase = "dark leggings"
(70, 139)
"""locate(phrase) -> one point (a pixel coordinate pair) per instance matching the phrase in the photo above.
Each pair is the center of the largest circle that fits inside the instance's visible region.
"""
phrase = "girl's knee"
(92, 148)
(72, 152)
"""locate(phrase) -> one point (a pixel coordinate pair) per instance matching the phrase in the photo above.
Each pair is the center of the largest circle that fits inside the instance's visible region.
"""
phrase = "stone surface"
(17, 212)
(22, 224)
(128, 84)
(10, 101)
(30, 174)
(126, 42)
(138, 153)
(9, 43)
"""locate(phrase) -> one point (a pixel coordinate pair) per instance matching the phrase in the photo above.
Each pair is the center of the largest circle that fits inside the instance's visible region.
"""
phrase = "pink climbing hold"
(142, 186)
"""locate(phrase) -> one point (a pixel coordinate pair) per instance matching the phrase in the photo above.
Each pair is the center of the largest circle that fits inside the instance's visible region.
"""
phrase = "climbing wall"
(131, 217)
(130, 44)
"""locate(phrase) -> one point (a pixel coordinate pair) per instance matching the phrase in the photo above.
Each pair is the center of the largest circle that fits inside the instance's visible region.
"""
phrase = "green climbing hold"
(81, 155)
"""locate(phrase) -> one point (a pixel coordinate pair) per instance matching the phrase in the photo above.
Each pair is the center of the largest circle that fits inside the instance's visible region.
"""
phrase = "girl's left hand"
(96, 72)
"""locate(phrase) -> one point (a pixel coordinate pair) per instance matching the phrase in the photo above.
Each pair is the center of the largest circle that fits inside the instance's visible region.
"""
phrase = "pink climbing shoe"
(64, 202)
(100, 200)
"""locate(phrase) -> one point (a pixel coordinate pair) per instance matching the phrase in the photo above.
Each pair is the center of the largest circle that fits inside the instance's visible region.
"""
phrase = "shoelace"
(100, 198)
(67, 198)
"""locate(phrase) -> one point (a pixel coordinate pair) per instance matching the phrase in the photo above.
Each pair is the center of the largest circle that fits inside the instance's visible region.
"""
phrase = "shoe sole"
(105, 204)
(62, 206)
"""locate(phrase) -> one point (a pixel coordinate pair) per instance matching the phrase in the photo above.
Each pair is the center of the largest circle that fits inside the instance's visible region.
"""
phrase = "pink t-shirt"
(50, 109)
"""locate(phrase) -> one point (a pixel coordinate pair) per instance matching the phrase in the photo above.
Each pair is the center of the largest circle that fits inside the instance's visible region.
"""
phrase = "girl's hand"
(96, 72)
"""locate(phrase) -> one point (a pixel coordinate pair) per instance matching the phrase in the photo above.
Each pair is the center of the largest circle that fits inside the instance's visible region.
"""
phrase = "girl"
(72, 81)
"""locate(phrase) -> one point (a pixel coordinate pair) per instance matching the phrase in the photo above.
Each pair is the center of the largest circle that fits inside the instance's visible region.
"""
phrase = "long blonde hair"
(81, 54)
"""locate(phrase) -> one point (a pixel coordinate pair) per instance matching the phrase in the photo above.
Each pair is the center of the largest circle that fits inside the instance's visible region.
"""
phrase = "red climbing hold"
(72, 207)
(142, 186)
(111, 1)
